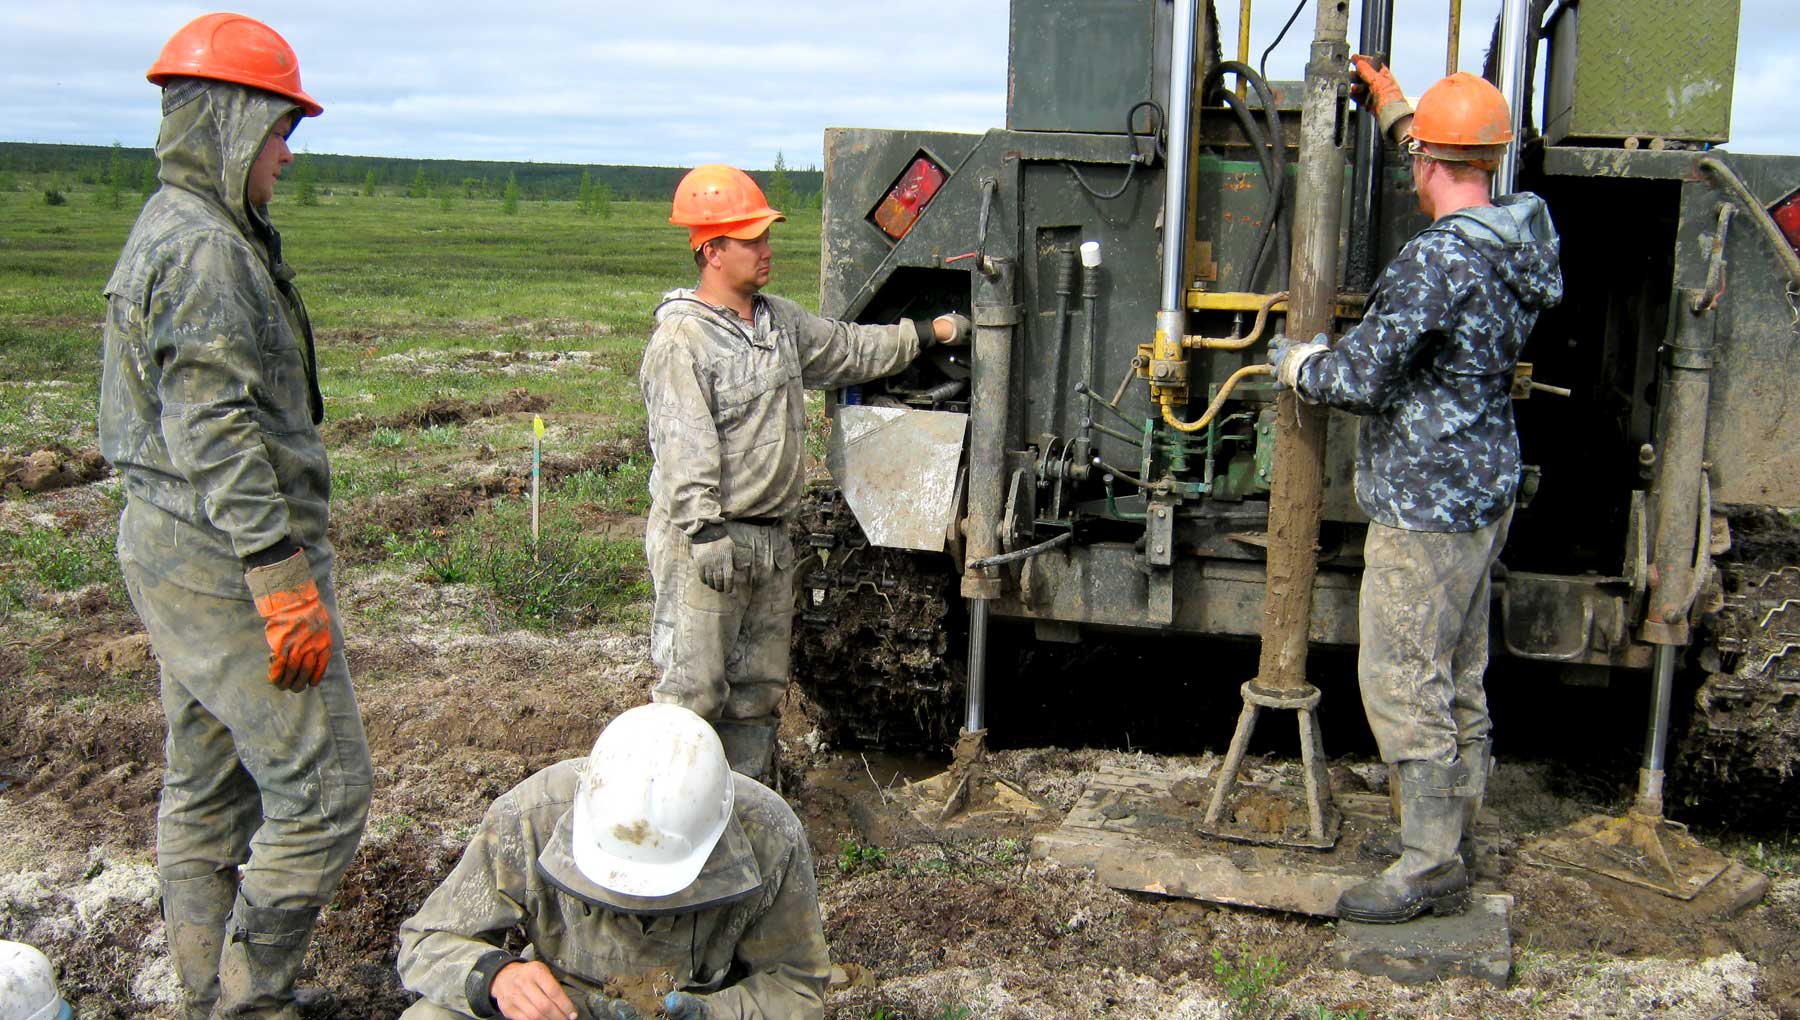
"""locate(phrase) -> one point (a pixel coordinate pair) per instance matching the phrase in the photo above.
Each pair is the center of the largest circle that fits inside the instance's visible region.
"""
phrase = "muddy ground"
(922, 925)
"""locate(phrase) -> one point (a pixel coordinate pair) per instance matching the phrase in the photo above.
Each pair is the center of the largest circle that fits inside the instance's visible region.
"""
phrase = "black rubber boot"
(1429, 876)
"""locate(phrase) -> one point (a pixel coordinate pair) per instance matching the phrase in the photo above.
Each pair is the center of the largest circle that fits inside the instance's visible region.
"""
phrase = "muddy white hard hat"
(653, 801)
(28, 985)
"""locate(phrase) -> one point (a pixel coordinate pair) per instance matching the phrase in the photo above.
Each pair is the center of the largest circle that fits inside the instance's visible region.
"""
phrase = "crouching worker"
(650, 865)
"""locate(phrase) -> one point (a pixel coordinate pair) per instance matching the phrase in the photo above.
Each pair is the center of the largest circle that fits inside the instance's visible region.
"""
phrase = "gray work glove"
(603, 1008)
(959, 327)
(713, 552)
(1290, 356)
(682, 1006)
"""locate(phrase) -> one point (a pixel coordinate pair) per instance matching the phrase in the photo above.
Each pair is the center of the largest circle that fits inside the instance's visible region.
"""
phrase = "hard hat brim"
(726, 872)
(742, 230)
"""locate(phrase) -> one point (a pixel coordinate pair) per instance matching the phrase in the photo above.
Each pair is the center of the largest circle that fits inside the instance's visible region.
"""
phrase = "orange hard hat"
(716, 200)
(231, 47)
(1462, 110)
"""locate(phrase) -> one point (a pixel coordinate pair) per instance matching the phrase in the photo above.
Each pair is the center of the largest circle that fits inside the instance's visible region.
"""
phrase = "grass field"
(440, 331)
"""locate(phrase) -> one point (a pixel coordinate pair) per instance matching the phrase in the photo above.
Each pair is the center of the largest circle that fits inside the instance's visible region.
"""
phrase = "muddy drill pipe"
(1297, 492)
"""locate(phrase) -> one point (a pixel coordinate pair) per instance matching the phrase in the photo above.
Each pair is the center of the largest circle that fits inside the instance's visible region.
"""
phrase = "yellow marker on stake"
(537, 467)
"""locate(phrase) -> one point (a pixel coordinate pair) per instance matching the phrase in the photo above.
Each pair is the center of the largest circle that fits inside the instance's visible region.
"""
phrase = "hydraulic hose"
(1273, 175)
(1218, 400)
(1272, 141)
(1784, 252)
(1238, 343)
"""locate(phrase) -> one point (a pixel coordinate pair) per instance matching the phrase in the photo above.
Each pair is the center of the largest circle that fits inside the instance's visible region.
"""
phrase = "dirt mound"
(357, 941)
(439, 411)
(81, 729)
(51, 467)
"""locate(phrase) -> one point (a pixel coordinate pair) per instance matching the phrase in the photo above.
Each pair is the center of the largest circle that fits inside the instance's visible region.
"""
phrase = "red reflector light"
(1787, 217)
(900, 209)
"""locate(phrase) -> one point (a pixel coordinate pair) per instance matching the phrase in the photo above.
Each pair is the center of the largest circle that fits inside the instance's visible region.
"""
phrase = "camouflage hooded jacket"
(746, 934)
(1430, 366)
(726, 403)
(209, 403)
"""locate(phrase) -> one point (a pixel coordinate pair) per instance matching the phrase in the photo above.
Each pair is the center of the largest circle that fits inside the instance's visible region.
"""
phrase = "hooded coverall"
(727, 418)
(1429, 369)
(746, 935)
(209, 404)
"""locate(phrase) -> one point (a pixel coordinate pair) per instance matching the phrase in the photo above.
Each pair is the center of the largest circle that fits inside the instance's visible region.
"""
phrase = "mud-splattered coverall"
(208, 410)
(727, 417)
(1429, 369)
(746, 935)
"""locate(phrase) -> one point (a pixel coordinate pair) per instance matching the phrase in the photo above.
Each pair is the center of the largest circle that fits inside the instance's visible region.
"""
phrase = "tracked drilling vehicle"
(1102, 458)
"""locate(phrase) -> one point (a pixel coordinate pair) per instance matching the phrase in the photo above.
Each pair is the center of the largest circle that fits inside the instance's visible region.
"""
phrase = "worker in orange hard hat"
(722, 379)
(209, 410)
(1429, 368)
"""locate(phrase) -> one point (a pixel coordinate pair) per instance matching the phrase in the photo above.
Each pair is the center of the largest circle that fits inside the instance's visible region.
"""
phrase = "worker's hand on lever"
(682, 1006)
(713, 552)
(1377, 88)
(527, 990)
(951, 328)
(1289, 356)
(295, 622)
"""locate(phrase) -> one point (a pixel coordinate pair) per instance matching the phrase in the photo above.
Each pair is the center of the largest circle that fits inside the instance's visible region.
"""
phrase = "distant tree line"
(123, 170)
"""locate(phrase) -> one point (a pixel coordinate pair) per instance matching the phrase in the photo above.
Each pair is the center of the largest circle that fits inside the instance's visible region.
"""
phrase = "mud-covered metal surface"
(897, 469)
(878, 634)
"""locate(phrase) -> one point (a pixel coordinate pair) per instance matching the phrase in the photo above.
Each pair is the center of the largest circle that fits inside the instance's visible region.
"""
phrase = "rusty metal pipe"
(1243, 53)
(1297, 494)
(1454, 40)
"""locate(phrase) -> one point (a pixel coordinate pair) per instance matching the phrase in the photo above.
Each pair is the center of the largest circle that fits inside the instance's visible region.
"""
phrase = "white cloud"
(672, 82)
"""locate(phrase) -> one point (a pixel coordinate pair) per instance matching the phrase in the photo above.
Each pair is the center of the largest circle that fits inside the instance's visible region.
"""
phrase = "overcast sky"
(672, 83)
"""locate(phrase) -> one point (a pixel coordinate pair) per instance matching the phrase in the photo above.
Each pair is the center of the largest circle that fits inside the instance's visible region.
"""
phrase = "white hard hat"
(28, 985)
(653, 801)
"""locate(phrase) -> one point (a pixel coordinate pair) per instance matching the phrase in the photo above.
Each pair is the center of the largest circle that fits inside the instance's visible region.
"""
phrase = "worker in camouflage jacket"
(723, 379)
(646, 877)
(1429, 368)
(209, 406)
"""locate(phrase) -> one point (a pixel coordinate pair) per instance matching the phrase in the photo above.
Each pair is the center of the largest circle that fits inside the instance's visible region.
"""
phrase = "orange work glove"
(296, 624)
(1379, 89)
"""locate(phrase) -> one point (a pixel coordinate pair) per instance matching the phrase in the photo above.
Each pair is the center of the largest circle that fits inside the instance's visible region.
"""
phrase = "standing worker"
(209, 407)
(646, 872)
(722, 378)
(1429, 368)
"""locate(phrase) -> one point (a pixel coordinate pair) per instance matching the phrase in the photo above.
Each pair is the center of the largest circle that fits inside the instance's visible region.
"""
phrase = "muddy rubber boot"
(1429, 876)
(1478, 755)
(195, 912)
(750, 747)
(260, 961)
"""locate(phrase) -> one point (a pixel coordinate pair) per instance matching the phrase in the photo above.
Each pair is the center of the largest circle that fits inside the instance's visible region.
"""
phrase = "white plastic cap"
(653, 801)
(27, 985)
(1090, 254)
